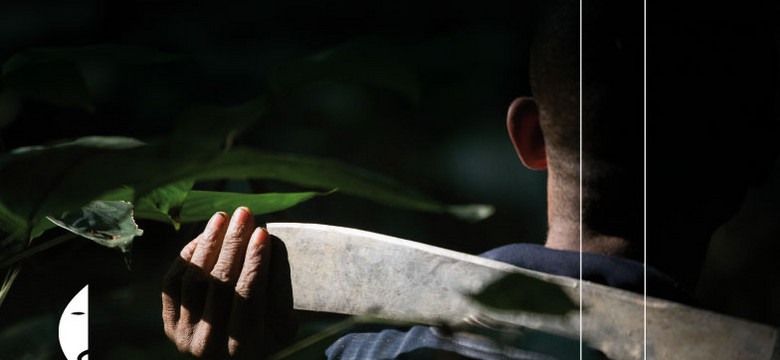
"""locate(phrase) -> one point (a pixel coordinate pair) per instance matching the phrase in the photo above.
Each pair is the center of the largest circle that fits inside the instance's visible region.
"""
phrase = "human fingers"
(194, 284)
(249, 303)
(171, 289)
(211, 331)
(231, 257)
(210, 242)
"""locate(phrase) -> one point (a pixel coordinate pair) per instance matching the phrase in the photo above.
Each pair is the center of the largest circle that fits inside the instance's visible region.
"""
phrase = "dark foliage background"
(444, 134)
(446, 138)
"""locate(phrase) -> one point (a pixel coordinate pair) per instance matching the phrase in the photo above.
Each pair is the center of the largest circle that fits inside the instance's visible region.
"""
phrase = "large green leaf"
(32, 178)
(87, 169)
(517, 292)
(326, 174)
(40, 181)
(200, 205)
(108, 223)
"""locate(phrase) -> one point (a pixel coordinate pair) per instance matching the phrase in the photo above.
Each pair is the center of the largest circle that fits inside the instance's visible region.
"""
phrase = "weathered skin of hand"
(228, 294)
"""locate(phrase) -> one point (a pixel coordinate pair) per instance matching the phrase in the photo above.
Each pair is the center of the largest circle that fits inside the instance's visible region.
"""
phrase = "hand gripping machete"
(349, 271)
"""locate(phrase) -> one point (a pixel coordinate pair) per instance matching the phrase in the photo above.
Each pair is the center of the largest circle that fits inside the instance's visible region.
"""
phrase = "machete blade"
(349, 271)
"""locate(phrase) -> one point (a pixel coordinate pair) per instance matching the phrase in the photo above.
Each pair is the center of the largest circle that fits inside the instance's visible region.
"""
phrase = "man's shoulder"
(425, 342)
(613, 271)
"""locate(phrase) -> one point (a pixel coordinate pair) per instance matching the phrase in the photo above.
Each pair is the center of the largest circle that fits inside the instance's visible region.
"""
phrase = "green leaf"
(207, 128)
(103, 142)
(108, 223)
(38, 181)
(471, 212)
(48, 180)
(123, 193)
(371, 62)
(164, 203)
(327, 174)
(9, 221)
(42, 225)
(201, 205)
(517, 292)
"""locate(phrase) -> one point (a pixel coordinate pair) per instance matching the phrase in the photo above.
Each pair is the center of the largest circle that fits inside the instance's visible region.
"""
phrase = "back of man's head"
(711, 78)
(612, 98)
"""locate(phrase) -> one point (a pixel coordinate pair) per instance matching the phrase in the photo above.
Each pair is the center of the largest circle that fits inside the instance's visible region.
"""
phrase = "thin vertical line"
(580, 158)
(644, 262)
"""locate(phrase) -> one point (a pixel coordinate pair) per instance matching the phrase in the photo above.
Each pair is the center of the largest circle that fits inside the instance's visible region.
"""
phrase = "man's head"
(711, 90)
(611, 117)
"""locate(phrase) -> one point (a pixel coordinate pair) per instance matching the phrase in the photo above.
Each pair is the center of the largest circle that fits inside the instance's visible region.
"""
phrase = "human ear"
(522, 122)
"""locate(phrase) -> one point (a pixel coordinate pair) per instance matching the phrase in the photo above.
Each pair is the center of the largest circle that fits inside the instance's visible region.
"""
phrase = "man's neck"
(563, 215)
(565, 235)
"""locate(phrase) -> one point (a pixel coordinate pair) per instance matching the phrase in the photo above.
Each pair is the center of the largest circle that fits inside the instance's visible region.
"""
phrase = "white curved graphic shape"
(74, 327)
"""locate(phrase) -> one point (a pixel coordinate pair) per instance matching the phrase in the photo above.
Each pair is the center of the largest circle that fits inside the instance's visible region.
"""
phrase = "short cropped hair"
(554, 75)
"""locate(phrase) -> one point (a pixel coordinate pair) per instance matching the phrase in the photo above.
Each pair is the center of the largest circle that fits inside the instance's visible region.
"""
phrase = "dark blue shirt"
(424, 342)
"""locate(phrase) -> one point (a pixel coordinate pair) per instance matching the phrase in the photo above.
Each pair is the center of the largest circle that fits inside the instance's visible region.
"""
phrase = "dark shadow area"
(712, 127)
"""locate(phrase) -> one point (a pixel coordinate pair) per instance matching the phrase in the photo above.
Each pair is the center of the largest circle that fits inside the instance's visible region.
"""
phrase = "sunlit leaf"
(327, 174)
(47, 180)
(42, 225)
(200, 205)
(108, 223)
(517, 292)
(164, 202)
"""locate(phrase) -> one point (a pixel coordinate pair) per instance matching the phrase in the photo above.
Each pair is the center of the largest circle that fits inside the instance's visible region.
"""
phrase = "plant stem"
(10, 276)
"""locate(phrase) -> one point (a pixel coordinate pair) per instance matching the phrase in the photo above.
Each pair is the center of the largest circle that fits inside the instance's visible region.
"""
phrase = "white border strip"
(644, 160)
(580, 160)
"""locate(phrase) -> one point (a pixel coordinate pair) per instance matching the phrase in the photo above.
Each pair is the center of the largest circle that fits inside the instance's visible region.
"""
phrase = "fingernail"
(216, 220)
(258, 234)
(241, 214)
